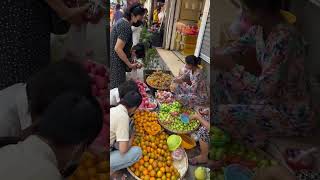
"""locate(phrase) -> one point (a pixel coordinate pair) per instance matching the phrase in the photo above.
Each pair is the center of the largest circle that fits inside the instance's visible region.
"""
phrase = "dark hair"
(127, 87)
(136, 9)
(52, 81)
(131, 99)
(193, 60)
(139, 50)
(118, 6)
(264, 5)
(71, 119)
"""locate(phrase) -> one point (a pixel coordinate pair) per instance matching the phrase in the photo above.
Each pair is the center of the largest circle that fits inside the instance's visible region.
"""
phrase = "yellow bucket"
(187, 142)
(291, 18)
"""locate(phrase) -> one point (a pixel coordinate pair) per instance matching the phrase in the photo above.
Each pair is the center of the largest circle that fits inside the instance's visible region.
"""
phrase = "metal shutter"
(205, 45)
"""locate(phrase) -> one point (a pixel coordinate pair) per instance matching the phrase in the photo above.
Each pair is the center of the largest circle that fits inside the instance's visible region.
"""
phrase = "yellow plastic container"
(291, 18)
(174, 142)
(187, 142)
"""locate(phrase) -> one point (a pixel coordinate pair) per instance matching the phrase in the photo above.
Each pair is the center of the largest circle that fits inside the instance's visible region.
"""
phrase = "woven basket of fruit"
(177, 128)
(149, 104)
(91, 167)
(171, 119)
(165, 97)
(182, 167)
(159, 80)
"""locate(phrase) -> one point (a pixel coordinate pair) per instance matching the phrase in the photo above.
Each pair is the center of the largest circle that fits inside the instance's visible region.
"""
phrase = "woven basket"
(178, 132)
(182, 166)
(156, 87)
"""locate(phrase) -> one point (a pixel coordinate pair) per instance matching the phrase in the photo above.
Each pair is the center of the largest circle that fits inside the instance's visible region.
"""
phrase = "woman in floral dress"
(274, 103)
(191, 89)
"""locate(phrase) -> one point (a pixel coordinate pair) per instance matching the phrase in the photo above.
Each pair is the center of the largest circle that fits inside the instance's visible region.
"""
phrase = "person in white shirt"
(22, 104)
(138, 52)
(122, 153)
(117, 94)
(161, 15)
(65, 130)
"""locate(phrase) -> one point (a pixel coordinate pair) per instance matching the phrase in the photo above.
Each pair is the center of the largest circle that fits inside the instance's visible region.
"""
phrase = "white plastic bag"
(76, 43)
(136, 74)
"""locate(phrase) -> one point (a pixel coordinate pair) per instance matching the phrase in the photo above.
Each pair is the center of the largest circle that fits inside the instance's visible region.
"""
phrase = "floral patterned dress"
(203, 133)
(195, 94)
(277, 102)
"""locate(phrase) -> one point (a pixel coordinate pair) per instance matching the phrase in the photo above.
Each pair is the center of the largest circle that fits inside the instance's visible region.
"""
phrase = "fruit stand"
(155, 127)
(161, 130)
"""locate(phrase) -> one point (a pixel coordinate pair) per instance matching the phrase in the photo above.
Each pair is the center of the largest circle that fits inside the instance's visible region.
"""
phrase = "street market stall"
(165, 136)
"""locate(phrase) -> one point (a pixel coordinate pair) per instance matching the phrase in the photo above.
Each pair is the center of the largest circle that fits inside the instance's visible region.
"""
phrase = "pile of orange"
(152, 128)
(156, 162)
(91, 168)
(145, 121)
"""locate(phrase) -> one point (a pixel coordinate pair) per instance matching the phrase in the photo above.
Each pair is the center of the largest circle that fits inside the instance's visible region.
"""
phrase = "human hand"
(178, 81)
(133, 66)
(139, 66)
(173, 87)
(95, 18)
(196, 116)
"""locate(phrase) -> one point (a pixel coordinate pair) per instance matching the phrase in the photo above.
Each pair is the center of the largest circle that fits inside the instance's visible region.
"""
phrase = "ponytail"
(136, 9)
(193, 60)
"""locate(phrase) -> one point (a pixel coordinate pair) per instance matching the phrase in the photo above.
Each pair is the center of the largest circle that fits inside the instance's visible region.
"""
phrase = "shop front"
(185, 20)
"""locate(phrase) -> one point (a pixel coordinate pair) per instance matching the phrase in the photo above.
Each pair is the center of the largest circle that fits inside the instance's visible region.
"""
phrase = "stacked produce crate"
(186, 37)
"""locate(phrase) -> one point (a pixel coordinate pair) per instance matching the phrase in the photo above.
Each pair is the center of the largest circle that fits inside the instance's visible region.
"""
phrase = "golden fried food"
(160, 80)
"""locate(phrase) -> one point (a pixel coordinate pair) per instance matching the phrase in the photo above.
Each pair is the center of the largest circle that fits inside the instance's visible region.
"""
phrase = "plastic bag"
(76, 43)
